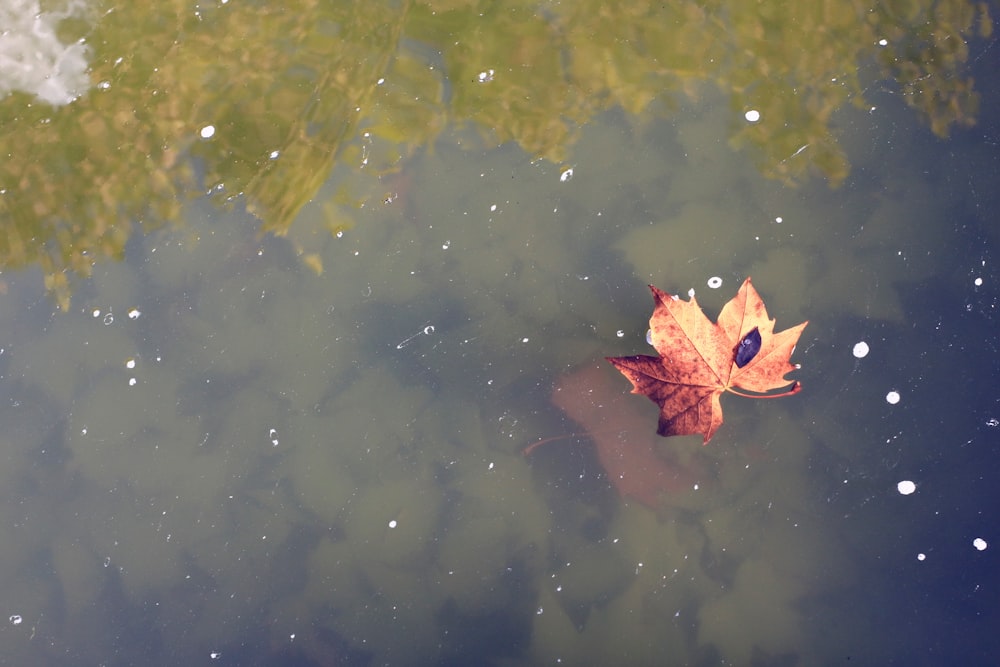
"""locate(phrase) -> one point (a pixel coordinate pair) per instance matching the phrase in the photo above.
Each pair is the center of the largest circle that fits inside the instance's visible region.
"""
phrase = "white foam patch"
(34, 60)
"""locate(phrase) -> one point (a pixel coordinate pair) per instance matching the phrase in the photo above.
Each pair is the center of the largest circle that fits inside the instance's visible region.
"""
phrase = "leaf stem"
(796, 388)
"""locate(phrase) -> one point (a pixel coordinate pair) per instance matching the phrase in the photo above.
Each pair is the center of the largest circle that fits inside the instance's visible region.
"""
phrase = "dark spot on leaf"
(748, 348)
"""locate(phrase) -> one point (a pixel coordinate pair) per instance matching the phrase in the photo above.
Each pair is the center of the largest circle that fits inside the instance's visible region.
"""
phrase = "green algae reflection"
(293, 93)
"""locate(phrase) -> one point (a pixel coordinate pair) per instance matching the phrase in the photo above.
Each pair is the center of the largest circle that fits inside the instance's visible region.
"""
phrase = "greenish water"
(303, 446)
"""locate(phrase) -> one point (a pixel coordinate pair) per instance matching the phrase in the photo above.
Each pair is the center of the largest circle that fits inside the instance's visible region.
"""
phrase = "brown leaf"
(700, 359)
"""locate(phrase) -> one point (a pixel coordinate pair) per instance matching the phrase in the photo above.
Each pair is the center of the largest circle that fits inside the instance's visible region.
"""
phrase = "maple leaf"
(700, 359)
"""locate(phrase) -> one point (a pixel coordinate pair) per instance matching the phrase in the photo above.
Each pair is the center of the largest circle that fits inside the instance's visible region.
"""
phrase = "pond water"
(276, 329)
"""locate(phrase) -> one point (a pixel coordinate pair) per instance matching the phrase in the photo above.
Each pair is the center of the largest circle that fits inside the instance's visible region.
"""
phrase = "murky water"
(239, 447)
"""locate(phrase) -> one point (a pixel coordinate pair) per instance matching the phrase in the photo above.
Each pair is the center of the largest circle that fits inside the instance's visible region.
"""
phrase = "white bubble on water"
(207, 132)
(715, 282)
(861, 350)
(921, 557)
(752, 115)
(892, 397)
(906, 487)
(980, 544)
